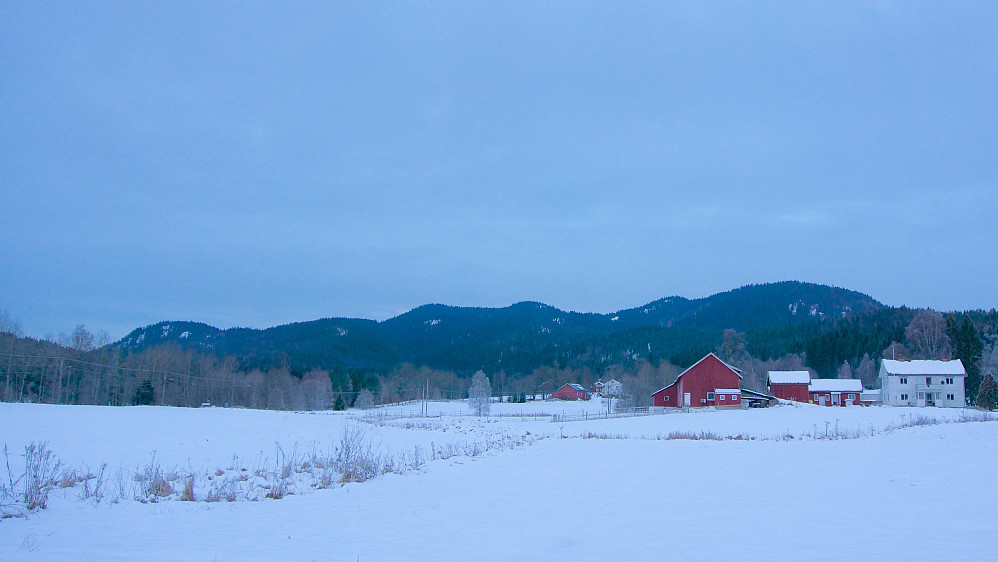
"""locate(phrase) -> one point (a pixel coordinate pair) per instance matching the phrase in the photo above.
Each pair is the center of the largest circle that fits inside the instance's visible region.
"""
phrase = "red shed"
(790, 385)
(570, 391)
(836, 392)
(703, 385)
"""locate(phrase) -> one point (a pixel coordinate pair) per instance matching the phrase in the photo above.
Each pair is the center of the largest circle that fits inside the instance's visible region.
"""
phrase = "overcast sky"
(255, 164)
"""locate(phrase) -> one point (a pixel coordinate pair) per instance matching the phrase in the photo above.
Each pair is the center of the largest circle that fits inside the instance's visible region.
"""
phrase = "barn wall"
(828, 398)
(796, 392)
(658, 399)
(709, 374)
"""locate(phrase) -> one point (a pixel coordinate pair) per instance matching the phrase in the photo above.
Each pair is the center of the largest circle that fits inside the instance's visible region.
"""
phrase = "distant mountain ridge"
(518, 337)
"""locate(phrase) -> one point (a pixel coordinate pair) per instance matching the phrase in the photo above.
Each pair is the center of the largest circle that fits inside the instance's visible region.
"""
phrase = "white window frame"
(720, 397)
(710, 396)
(904, 380)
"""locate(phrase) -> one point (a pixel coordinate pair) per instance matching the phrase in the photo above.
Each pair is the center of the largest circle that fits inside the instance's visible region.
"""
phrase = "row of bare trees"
(82, 369)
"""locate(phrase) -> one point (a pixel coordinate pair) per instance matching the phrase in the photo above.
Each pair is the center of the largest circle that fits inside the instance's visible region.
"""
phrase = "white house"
(923, 383)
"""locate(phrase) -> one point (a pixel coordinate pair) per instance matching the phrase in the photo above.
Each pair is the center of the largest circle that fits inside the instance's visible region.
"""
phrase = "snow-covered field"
(789, 482)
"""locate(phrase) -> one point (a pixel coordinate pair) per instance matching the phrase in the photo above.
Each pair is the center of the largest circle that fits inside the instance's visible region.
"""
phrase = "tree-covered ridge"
(778, 317)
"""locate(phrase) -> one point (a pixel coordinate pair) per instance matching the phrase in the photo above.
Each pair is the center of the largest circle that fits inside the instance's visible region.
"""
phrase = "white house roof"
(835, 385)
(923, 367)
(728, 390)
(789, 377)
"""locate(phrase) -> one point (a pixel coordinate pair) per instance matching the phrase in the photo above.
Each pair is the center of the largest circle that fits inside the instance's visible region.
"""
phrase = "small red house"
(709, 382)
(835, 392)
(790, 385)
(570, 391)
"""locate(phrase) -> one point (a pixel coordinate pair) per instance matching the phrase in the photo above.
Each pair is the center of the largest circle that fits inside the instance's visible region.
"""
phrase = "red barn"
(790, 385)
(709, 382)
(570, 391)
(836, 392)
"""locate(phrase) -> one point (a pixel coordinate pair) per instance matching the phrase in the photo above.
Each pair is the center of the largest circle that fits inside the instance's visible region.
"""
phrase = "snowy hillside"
(513, 486)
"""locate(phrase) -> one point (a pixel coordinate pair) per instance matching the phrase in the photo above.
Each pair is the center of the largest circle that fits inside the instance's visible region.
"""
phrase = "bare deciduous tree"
(365, 399)
(9, 326)
(897, 351)
(989, 358)
(927, 337)
(867, 371)
(480, 394)
(845, 371)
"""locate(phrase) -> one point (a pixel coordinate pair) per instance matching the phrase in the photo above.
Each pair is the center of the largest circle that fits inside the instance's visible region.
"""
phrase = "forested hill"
(778, 317)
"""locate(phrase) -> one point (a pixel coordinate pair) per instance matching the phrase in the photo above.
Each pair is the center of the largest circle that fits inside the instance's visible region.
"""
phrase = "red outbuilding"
(790, 385)
(570, 391)
(709, 382)
(836, 392)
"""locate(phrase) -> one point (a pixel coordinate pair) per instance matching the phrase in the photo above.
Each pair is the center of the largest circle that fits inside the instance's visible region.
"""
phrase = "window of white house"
(949, 380)
(904, 397)
(710, 396)
(904, 380)
(928, 380)
(950, 397)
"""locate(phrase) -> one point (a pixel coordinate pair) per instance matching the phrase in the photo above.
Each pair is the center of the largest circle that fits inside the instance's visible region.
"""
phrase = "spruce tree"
(987, 393)
(967, 347)
(339, 403)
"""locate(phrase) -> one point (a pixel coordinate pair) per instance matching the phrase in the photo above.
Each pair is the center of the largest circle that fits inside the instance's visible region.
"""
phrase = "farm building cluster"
(712, 383)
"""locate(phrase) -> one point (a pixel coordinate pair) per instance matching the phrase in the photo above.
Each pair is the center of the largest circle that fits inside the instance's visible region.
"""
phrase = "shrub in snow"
(355, 461)
(188, 494)
(153, 482)
(41, 470)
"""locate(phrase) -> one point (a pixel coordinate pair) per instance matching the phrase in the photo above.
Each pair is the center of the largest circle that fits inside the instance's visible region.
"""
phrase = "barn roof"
(572, 385)
(835, 385)
(924, 367)
(789, 377)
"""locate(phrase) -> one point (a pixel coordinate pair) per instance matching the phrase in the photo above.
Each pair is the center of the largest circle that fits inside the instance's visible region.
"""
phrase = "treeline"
(82, 368)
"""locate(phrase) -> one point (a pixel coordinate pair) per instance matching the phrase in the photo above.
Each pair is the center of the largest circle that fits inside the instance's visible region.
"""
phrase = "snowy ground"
(796, 482)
